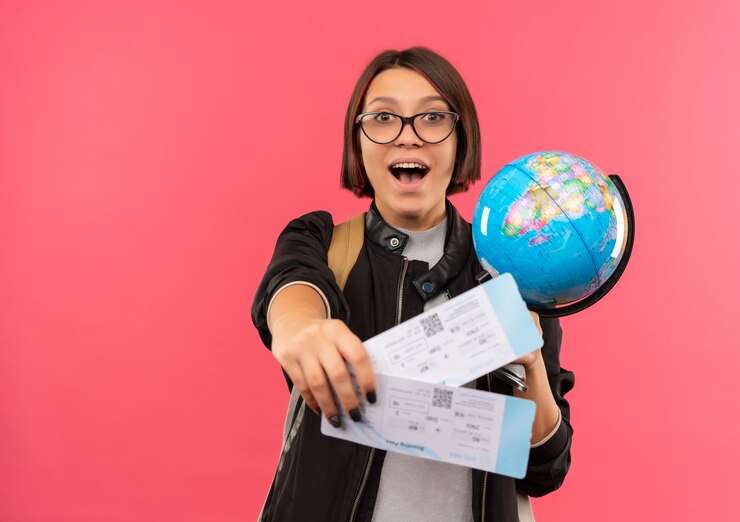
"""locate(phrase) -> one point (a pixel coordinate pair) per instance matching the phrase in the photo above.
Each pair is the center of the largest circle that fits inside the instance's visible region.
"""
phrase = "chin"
(411, 209)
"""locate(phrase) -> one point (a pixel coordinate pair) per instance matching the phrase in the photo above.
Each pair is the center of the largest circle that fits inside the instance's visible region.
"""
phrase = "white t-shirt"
(414, 489)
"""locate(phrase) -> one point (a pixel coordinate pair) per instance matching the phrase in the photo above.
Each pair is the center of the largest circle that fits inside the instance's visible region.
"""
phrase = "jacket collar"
(458, 244)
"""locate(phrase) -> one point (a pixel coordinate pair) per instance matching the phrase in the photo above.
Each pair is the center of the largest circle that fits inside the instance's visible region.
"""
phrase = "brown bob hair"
(445, 78)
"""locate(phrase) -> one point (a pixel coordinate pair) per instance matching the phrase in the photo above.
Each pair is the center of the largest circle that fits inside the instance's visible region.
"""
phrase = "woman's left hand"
(531, 360)
(547, 414)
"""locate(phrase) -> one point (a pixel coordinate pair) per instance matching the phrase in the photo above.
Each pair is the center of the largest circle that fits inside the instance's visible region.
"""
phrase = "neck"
(415, 223)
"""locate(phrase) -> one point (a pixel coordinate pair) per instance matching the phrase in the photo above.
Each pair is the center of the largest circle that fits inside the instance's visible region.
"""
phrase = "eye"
(434, 117)
(384, 117)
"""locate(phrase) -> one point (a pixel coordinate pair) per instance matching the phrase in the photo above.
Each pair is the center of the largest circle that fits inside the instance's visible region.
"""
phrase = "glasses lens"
(434, 127)
(381, 127)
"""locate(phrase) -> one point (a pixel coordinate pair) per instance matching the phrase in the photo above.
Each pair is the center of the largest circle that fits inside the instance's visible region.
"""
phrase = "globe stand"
(513, 374)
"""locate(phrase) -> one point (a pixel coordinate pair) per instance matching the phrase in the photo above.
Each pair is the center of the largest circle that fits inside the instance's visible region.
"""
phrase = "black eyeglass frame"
(404, 121)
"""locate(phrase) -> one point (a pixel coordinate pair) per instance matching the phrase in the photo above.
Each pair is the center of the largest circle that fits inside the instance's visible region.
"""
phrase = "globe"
(559, 225)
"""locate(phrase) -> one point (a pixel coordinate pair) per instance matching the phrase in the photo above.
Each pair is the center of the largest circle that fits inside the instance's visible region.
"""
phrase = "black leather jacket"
(326, 479)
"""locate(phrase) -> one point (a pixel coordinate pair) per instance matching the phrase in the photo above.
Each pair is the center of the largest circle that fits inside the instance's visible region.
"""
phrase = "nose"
(408, 136)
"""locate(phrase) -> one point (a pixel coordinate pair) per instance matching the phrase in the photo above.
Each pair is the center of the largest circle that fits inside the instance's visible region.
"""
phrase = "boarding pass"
(419, 364)
(472, 428)
(460, 340)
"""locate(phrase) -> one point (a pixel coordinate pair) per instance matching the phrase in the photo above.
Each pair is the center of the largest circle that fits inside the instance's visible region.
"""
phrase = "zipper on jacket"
(485, 476)
(400, 289)
(363, 484)
(370, 458)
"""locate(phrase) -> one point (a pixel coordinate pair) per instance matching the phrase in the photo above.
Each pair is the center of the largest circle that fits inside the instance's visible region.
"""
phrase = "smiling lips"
(408, 171)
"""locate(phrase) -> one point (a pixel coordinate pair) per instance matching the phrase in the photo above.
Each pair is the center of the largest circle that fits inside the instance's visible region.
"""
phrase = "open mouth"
(408, 172)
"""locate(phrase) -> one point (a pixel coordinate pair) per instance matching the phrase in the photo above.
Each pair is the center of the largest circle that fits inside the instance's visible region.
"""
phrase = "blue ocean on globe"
(555, 222)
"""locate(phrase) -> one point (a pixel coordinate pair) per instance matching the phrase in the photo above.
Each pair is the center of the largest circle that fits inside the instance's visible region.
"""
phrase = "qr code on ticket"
(432, 325)
(442, 398)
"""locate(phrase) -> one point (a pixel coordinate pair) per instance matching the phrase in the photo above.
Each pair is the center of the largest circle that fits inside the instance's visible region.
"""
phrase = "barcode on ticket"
(442, 398)
(432, 325)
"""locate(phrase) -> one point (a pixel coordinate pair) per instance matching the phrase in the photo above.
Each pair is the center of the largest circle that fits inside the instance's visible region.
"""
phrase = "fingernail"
(371, 397)
(335, 421)
(355, 414)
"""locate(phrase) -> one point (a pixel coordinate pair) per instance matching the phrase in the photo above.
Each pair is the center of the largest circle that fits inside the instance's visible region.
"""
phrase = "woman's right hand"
(314, 352)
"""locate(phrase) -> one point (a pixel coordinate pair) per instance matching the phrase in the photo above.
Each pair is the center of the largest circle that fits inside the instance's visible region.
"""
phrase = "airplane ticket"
(464, 426)
(460, 340)
(420, 363)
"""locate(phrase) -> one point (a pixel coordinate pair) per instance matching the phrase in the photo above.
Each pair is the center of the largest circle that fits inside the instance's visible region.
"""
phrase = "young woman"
(411, 139)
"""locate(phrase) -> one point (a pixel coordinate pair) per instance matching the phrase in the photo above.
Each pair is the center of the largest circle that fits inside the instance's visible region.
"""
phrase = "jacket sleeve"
(549, 463)
(300, 255)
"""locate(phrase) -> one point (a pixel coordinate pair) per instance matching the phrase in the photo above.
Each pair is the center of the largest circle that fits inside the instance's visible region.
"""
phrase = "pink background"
(151, 152)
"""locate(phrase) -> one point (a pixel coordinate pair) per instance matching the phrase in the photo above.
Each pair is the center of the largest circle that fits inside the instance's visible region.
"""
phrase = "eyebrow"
(387, 99)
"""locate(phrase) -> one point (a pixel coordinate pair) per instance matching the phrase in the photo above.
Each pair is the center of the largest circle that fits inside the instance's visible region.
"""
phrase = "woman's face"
(412, 201)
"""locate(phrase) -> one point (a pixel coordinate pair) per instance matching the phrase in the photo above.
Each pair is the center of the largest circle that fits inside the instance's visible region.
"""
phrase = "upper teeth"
(413, 165)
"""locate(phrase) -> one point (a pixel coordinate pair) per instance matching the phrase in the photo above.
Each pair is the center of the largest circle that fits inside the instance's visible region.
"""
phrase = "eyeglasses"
(386, 127)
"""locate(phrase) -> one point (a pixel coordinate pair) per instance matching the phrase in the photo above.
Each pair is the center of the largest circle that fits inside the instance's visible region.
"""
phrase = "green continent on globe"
(562, 187)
